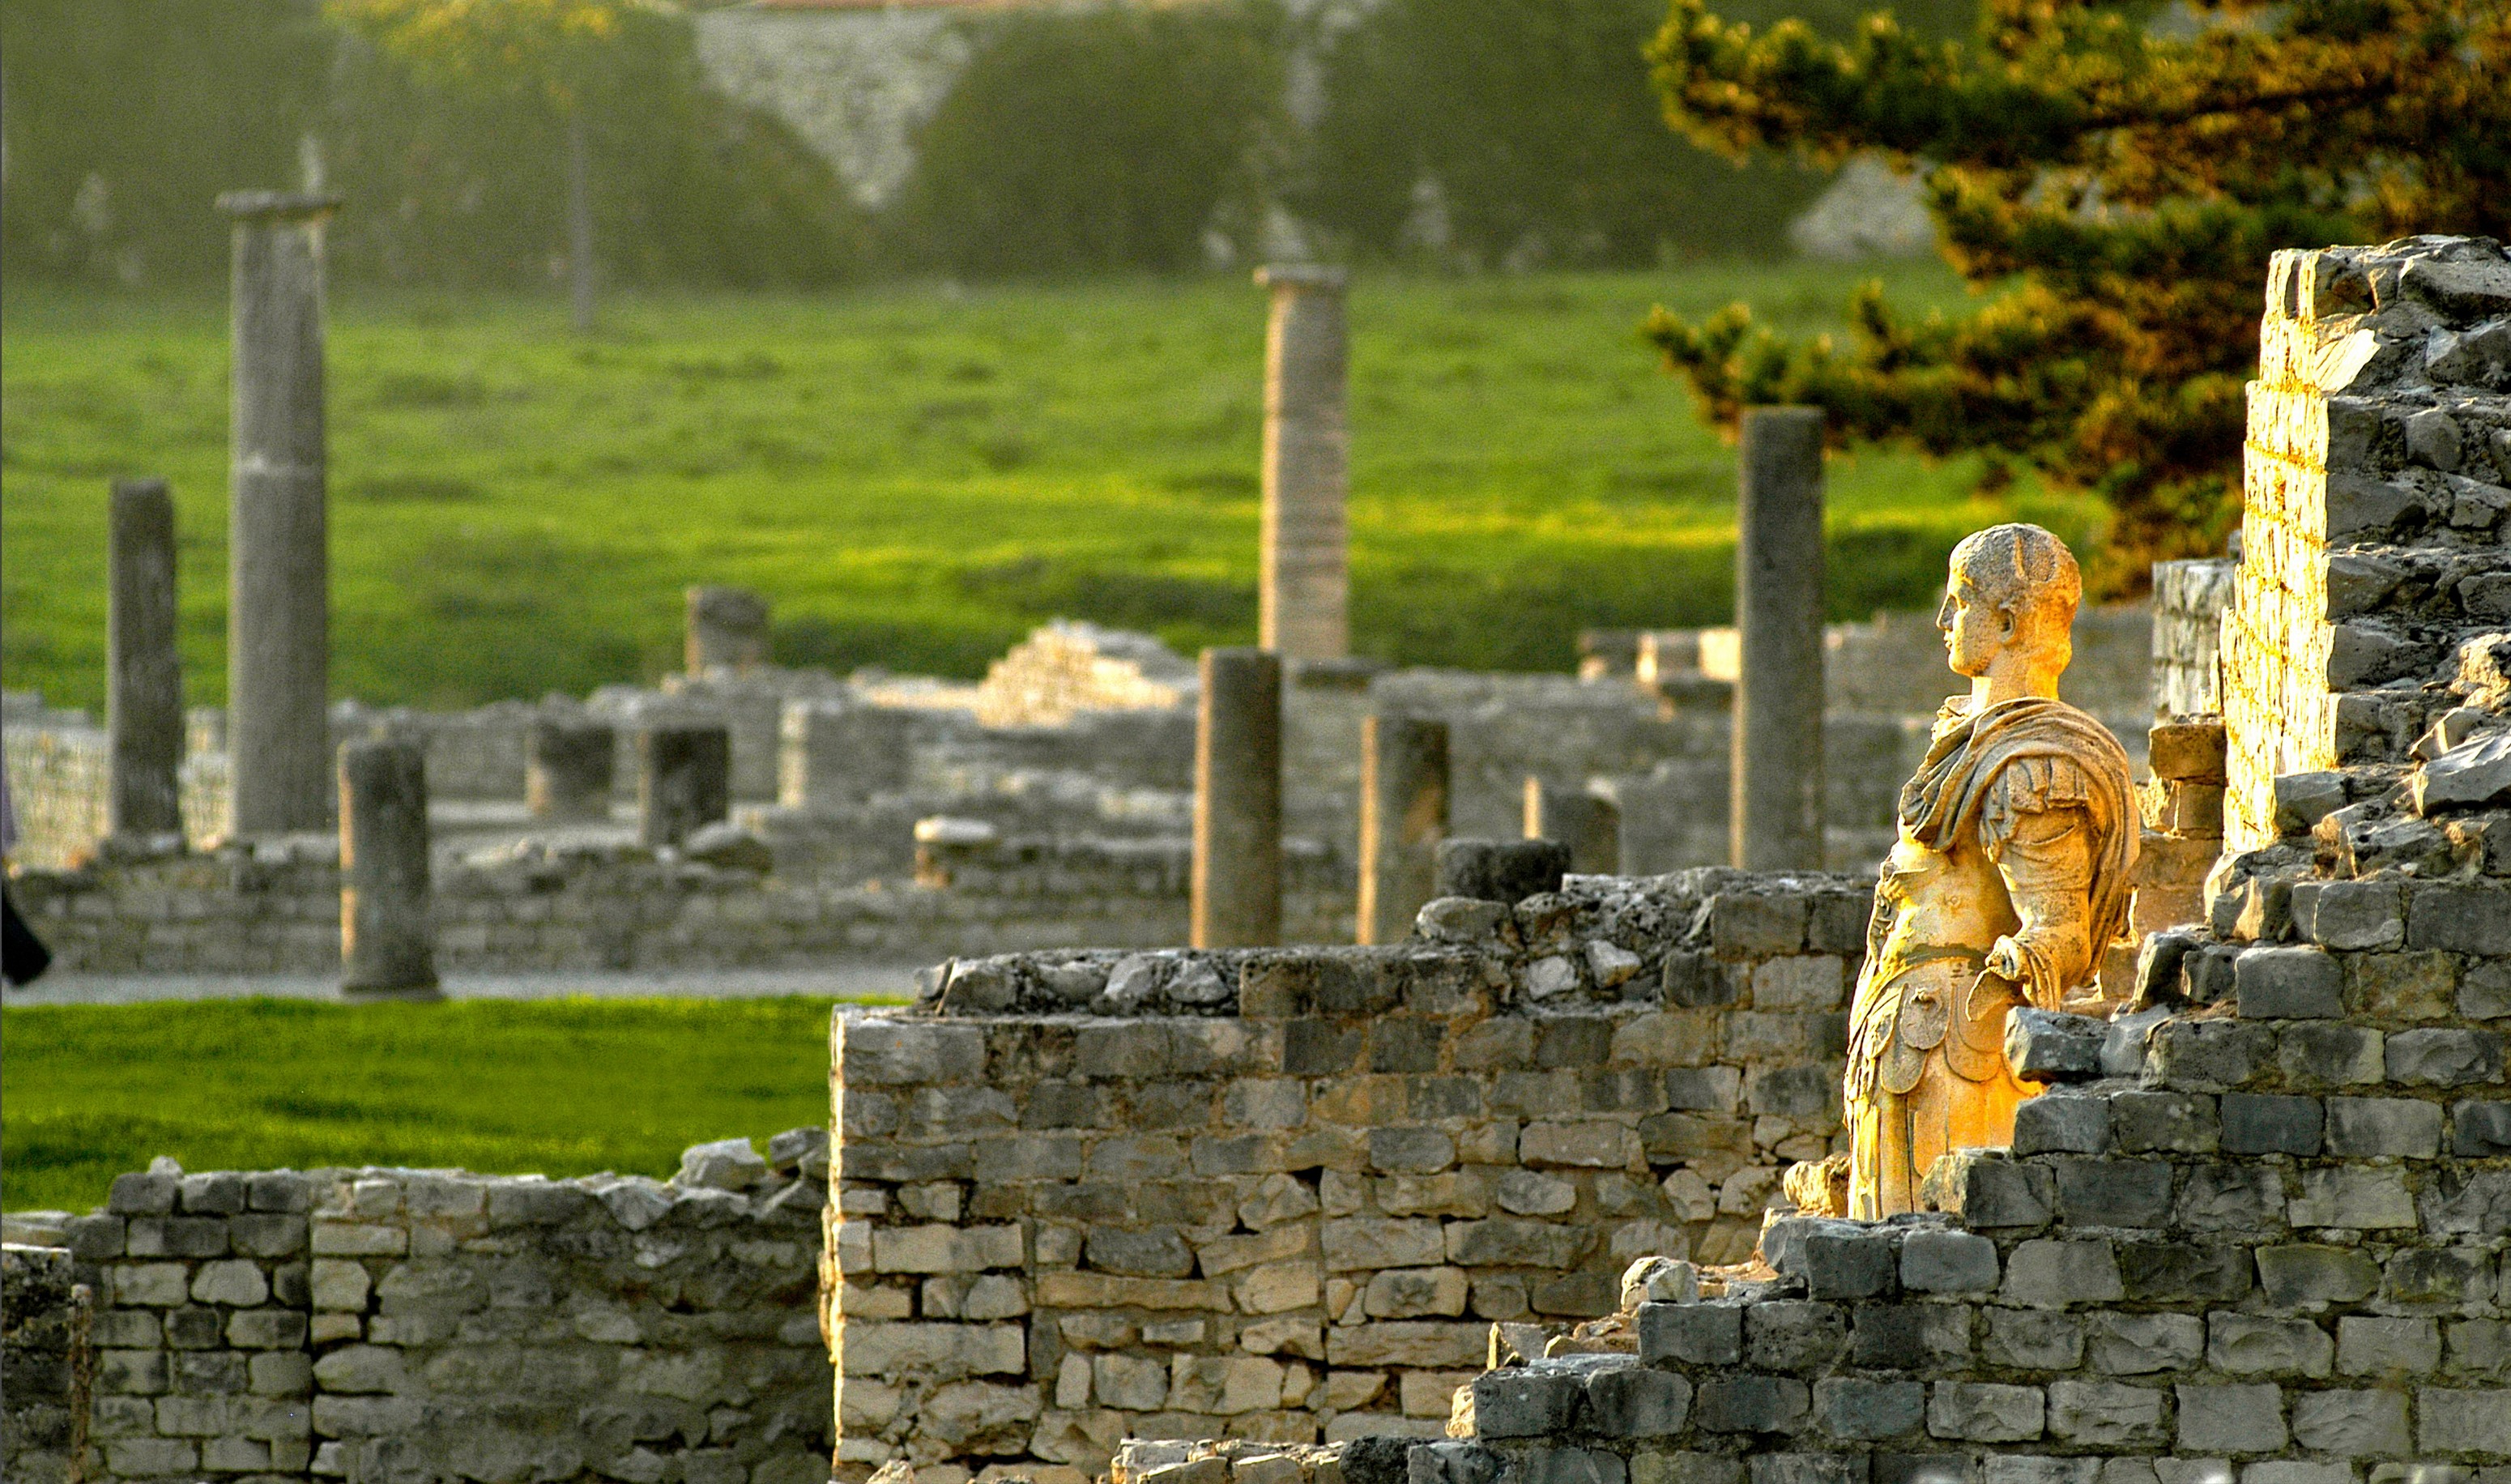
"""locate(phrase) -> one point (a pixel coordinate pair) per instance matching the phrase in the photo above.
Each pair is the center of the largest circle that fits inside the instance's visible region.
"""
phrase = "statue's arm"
(2046, 860)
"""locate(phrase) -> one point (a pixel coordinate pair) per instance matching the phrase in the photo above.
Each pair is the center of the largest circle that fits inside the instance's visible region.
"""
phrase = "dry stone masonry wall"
(1285, 1194)
(426, 1325)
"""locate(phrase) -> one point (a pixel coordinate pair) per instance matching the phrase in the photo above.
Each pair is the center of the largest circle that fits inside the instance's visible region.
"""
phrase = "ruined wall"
(417, 1326)
(274, 907)
(1284, 1194)
(2374, 495)
(2188, 603)
(46, 1364)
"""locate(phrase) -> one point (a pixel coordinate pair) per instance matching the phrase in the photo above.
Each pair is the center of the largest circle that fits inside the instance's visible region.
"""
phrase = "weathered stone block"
(2372, 1345)
(2032, 1340)
(2403, 1127)
(1839, 1265)
(1636, 1401)
(2246, 1197)
(2308, 1278)
(1910, 1337)
(2324, 1055)
(1948, 1261)
(1752, 1403)
(2113, 1193)
(2352, 1197)
(1787, 1336)
(2178, 1270)
(2106, 1414)
(2059, 1123)
(2480, 1130)
(2141, 1345)
(1696, 1334)
(2351, 1423)
(2288, 984)
(2255, 1344)
(1985, 1412)
(2231, 1418)
(2176, 1123)
(2052, 1274)
(2444, 1057)
(2450, 1420)
(1849, 1407)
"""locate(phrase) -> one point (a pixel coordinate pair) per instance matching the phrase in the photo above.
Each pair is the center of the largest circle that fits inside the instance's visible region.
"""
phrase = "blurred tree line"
(1127, 136)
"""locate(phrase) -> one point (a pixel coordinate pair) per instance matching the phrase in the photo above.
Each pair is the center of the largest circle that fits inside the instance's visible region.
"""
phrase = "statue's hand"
(2005, 959)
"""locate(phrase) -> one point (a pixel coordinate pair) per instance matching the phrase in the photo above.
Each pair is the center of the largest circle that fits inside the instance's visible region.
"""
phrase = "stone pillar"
(1775, 806)
(387, 915)
(1402, 817)
(837, 753)
(1238, 801)
(279, 563)
(143, 675)
(1303, 589)
(1590, 827)
(727, 629)
(684, 781)
(569, 768)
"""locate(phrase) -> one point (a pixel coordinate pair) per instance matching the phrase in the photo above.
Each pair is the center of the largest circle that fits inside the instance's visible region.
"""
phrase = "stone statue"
(2009, 877)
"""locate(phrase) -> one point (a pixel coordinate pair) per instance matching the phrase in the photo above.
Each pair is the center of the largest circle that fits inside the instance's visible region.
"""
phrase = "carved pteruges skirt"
(1926, 1071)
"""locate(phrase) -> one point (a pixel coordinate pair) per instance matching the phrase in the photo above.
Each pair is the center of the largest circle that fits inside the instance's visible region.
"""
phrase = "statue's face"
(1975, 631)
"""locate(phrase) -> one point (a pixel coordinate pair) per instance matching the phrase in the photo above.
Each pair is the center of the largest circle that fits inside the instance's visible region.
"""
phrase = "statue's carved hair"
(2025, 571)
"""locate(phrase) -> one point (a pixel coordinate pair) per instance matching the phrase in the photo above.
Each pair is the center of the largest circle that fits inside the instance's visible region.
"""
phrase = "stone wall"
(1285, 1194)
(46, 1364)
(426, 1325)
(2188, 603)
(2372, 534)
(274, 907)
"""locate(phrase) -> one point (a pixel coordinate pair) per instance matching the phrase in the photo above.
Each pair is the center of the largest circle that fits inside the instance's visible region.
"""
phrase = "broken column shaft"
(1777, 781)
(1303, 591)
(387, 912)
(684, 781)
(279, 563)
(143, 673)
(1237, 886)
(1402, 817)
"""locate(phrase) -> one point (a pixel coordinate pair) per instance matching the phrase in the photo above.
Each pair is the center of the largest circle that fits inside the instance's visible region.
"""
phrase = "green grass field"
(560, 1087)
(917, 475)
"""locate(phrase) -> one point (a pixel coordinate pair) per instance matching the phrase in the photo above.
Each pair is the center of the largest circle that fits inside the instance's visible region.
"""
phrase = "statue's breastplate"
(1936, 916)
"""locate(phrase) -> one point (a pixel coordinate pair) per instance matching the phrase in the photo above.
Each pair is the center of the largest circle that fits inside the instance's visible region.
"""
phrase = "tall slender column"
(1590, 827)
(143, 675)
(1303, 591)
(279, 563)
(1237, 889)
(1402, 817)
(1776, 800)
(387, 912)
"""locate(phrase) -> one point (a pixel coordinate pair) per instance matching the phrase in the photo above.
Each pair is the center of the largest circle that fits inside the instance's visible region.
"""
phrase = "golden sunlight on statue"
(2010, 873)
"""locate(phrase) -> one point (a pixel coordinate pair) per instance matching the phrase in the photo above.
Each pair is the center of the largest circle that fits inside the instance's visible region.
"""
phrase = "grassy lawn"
(560, 1087)
(916, 475)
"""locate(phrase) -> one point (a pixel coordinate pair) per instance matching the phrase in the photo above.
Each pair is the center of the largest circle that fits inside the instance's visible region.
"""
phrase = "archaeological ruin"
(1537, 1189)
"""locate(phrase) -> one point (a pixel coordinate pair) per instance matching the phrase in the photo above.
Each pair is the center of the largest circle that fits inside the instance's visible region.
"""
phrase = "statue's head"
(2010, 588)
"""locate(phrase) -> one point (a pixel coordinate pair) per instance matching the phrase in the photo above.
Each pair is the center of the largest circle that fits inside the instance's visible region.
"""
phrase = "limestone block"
(2141, 1345)
(1373, 1243)
(944, 1249)
(1415, 1293)
(2405, 1128)
(2053, 1274)
(2368, 1344)
(1865, 1409)
(1134, 1382)
(1275, 1287)
(1786, 1336)
(939, 1350)
(2258, 1124)
(1536, 1401)
(1635, 1401)
(2032, 1340)
(1747, 1403)
(1985, 1412)
(1593, 1144)
(2352, 1197)
(1406, 1343)
(2307, 1278)
(1948, 1261)
(1508, 1241)
(2106, 1414)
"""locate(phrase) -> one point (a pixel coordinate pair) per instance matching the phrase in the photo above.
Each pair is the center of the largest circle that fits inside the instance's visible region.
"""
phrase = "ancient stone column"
(279, 602)
(387, 915)
(1402, 817)
(1775, 809)
(1237, 892)
(684, 781)
(727, 628)
(569, 768)
(1590, 827)
(143, 675)
(1305, 583)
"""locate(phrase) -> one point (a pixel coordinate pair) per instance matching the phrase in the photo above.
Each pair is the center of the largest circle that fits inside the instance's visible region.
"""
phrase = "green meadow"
(559, 1087)
(916, 475)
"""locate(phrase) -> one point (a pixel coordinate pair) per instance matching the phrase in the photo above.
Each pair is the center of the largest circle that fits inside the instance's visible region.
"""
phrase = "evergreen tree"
(2118, 173)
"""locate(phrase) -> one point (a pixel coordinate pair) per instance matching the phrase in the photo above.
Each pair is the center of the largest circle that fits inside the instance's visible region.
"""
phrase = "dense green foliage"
(561, 1087)
(1532, 131)
(2131, 177)
(1096, 138)
(126, 118)
(918, 477)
